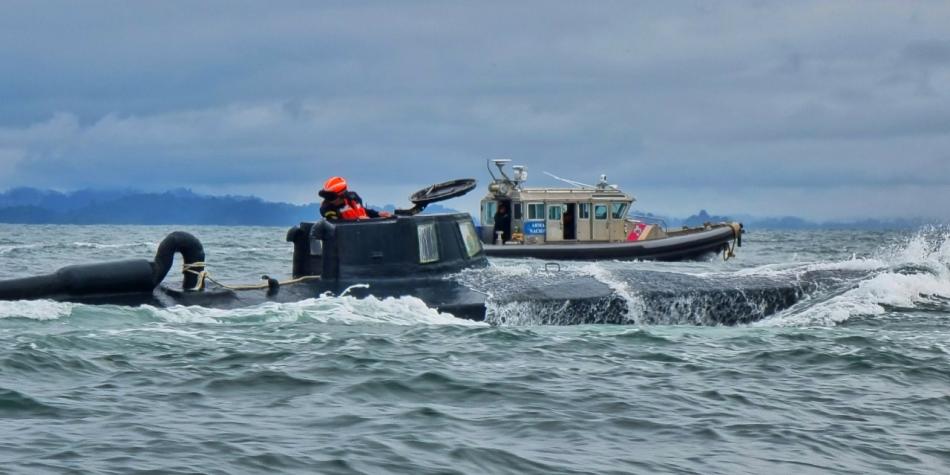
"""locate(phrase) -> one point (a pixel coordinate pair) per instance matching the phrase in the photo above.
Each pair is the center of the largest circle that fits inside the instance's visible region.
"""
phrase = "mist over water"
(841, 365)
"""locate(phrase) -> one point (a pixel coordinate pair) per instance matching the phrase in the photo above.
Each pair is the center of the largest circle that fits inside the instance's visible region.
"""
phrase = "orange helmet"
(334, 185)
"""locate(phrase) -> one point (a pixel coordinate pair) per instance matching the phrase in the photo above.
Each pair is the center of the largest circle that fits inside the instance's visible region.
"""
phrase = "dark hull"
(559, 298)
(442, 295)
(690, 246)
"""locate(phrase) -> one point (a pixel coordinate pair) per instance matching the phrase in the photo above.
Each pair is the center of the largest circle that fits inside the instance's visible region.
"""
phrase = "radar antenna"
(500, 163)
(602, 184)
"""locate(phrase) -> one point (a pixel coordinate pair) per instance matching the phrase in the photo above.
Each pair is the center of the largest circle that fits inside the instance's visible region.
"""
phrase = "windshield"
(617, 210)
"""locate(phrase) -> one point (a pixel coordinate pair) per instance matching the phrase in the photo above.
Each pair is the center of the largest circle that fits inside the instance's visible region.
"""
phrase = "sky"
(819, 109)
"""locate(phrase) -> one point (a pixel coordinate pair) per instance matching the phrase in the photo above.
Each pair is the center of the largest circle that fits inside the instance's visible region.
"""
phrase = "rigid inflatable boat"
(687, 244)
(586, 222)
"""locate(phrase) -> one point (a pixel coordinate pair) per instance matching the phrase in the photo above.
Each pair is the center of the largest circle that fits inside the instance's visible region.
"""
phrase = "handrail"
(648, 219)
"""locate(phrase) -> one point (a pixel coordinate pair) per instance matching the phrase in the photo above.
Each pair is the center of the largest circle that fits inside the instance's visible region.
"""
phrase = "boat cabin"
(584, 213)
(400, 247)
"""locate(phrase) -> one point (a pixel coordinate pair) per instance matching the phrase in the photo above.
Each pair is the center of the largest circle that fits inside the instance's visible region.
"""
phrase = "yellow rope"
(204, 275)
(729, 251)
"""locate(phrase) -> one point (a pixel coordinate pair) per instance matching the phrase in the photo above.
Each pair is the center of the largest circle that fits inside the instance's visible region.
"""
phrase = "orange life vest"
(352, 210)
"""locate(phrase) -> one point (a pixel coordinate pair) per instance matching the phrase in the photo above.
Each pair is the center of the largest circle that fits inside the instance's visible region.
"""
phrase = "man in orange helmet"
(340, 203)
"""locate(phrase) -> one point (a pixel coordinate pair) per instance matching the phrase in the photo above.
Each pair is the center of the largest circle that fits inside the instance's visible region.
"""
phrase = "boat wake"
(913, 276)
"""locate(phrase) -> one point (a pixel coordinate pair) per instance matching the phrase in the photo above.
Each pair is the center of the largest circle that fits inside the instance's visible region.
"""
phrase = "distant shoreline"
(183, 207)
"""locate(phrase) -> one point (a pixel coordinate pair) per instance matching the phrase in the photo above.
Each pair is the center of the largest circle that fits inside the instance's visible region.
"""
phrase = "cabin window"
(518, 211)
(554, 213)
(488, 212)
(535, 210)
(583, 211)
(617, 209)
(472, 244)
(600, 211)
(428, 243)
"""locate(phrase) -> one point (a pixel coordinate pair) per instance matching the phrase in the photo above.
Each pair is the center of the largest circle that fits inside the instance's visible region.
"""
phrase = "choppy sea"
(853, 378)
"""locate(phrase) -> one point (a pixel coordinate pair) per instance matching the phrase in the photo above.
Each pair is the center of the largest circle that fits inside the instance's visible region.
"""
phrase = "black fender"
(134, 276)
(191, 250)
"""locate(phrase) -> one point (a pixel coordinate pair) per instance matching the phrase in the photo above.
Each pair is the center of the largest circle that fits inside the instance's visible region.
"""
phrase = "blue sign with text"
(534, 227)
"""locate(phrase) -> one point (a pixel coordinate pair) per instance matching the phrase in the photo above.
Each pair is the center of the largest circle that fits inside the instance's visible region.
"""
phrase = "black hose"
(105, 278)
(191, 251)
(135, 276)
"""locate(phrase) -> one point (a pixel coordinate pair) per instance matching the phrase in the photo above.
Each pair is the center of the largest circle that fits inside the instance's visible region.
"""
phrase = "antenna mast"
(569, 182)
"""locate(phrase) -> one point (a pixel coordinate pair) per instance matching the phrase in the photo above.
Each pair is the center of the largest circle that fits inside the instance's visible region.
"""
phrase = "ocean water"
(851, 377)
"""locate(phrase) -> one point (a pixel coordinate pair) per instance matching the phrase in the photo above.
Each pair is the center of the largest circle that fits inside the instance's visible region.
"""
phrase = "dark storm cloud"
(800, 99)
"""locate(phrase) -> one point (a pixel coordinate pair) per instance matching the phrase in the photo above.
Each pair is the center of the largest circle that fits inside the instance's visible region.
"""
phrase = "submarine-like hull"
(444, 296)
(547, 298)
(427, 257)
(691, 246)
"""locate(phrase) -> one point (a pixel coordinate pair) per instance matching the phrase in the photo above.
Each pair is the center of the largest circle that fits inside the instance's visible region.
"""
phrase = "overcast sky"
(824, 109)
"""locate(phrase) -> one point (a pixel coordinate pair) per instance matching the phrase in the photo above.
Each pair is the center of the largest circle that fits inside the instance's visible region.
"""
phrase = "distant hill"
(783, 222)
(180, 206)
(183, 206)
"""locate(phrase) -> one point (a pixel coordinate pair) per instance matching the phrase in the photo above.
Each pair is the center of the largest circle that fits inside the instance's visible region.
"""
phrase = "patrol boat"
(587, 222)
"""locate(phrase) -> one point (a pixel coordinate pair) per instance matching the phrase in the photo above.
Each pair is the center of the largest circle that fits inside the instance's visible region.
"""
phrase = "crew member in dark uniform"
(502, 223)
(341, 203)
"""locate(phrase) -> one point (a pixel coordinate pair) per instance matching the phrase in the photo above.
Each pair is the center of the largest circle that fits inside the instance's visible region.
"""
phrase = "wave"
(911, 276)
(9, 249)
(35, 309)
(14, 404)
(96, 245)
(14, 249)
(344, 309)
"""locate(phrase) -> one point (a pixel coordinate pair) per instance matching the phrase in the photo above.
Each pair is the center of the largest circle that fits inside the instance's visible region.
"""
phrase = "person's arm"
(328, 211)
(372, 213)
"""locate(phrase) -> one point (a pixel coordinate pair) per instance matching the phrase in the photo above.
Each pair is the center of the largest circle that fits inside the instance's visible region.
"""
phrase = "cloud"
(773, 96)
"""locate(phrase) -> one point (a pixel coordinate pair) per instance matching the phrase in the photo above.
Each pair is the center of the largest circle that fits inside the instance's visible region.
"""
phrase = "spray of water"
(913, 275)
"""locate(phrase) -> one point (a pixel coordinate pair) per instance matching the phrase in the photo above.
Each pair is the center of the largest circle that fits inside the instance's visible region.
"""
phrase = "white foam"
(95, 245)
(828, 313)
(35, 309)
(176, 331)
(512, 269)
(784, 269)
(7, 249)
(344, 309)
(635, 304)
(514, 313)
(926, 254)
